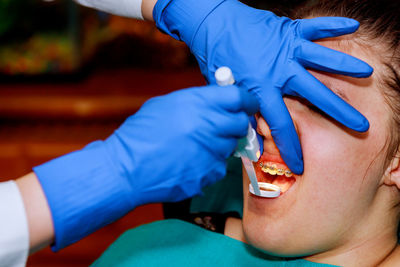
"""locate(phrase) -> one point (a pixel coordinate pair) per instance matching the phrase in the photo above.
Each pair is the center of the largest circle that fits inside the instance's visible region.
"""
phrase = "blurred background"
(70, 75)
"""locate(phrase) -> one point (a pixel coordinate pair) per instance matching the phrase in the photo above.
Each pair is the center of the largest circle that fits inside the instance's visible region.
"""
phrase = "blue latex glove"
(268, 56)
(171, 148)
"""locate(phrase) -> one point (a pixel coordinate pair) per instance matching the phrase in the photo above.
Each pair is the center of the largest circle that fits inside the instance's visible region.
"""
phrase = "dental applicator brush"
(248, 148)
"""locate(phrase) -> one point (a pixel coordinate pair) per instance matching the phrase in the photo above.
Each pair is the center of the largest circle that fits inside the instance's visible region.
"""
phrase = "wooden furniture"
(41, 121)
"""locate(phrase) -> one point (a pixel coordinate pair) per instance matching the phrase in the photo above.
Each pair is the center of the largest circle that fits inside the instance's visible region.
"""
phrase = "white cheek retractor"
(248, 148)
(266, 190)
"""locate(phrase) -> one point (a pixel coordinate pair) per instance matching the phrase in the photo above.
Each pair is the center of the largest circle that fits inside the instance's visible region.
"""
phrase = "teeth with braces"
(274, 170)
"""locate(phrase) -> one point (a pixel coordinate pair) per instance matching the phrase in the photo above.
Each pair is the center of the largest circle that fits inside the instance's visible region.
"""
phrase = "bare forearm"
(147, 9)
(40, 224)
(139, 9)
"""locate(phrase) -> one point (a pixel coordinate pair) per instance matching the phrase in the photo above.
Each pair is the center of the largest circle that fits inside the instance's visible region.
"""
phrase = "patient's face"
(331, 204)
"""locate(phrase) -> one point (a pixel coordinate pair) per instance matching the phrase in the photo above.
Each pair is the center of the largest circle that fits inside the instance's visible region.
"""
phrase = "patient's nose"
(264, 130)
(268, 142)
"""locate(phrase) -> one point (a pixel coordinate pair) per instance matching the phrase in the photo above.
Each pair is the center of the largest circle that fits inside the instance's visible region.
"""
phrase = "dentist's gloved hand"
(268, 55)
(171, 148)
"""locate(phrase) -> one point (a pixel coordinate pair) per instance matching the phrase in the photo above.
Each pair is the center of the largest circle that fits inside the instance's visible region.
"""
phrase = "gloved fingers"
(225, 147)
(260, 140)
(249, 102)
(215, 174)
(310, 88)
(231, 124)
(324, 27)
(318, 57)
(283, 131)
(233, 99)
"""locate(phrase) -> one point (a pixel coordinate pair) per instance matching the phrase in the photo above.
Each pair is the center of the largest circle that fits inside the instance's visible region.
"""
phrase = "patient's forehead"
(345, 43)
(358, 45)
(351, 45)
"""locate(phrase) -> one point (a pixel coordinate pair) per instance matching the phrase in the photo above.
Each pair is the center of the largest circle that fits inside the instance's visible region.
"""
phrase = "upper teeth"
(274, 170)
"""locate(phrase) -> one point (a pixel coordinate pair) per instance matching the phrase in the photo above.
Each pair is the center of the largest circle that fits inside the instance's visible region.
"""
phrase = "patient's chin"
(275, 242)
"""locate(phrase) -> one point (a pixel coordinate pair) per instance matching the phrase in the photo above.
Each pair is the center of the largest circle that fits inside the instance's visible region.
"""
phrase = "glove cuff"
(182, 18)
(84, 193)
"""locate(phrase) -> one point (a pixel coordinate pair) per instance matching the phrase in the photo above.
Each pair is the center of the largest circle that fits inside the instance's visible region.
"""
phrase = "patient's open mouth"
(274, 173)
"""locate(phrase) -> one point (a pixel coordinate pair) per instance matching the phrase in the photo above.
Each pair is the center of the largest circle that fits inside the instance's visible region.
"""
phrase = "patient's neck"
(393, 258)
(377, 251)
(373, 241)
(234, 229)
(375, 244)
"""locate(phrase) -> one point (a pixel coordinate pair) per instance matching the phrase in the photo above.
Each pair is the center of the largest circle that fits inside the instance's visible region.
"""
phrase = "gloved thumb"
(250, 103)
(231, 98)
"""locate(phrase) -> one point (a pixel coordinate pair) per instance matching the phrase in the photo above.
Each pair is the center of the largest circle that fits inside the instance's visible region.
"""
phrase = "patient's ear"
(392, 173)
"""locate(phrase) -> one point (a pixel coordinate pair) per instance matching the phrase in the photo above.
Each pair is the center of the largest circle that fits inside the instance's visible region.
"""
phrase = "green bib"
(178, 243)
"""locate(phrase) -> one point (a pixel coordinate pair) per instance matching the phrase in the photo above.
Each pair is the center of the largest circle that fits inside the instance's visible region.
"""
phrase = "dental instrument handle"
(224, 76)
(248, 148)
(248, 165)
